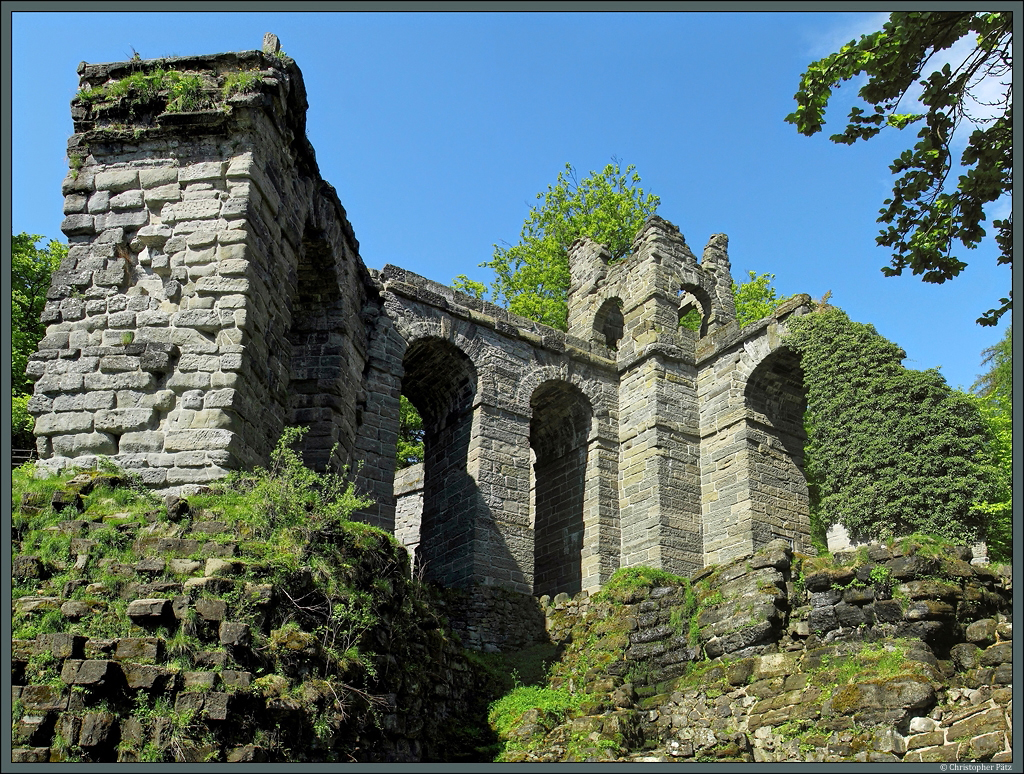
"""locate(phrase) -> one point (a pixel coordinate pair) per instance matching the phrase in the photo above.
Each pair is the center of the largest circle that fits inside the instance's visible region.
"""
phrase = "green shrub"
(288, 494)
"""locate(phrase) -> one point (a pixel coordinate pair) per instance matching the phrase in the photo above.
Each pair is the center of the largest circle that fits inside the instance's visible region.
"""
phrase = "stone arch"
(559, 432)
(775, 401)
(601, 395)
(441, 382)
(415, 324)
(775, 392)
(693, 296)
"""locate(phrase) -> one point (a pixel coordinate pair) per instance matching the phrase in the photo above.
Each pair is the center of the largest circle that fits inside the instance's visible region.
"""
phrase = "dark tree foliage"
(927, 213)
(890, 451)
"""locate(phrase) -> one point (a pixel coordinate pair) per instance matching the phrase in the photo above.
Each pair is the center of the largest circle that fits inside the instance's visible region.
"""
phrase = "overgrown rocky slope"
(890, 653)
(254, 622)
(222, 629)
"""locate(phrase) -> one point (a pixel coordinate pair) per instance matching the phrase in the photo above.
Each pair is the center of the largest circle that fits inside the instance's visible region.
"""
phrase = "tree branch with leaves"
(927, 215)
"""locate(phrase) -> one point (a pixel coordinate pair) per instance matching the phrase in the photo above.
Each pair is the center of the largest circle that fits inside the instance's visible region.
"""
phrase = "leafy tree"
(755, 299)
(410, 434)
(532, 277)
(996, 384)
(993, 393)
(31, 270)
(464, 284)
(890, 451)
(997, 460)
(926, 216)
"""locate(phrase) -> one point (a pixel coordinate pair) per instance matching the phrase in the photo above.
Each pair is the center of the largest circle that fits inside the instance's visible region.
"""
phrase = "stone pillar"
(184, 328)
(659, 478)
(602, 538)
(724, 490)
(376, 443)
(499, 463)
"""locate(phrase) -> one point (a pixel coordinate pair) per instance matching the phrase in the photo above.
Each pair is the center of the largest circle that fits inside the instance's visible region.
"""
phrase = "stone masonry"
(214, 294)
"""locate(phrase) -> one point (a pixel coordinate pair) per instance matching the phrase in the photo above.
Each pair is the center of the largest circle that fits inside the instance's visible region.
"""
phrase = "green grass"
(556, 704)
(630, 579)
(241, 82)
(169, 90)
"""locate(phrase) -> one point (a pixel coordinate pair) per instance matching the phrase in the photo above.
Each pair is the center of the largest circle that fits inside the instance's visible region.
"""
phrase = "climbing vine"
(890, 451)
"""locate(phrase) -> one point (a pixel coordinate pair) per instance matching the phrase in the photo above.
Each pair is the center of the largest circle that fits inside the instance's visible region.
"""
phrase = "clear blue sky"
(439, 129)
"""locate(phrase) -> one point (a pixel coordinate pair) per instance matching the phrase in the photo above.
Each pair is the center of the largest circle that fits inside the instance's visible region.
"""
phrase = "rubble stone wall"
(888, 653)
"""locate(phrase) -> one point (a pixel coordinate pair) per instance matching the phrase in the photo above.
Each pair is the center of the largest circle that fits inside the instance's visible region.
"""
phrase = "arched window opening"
(694, 309)
(609, 323)
(559, 430)
(440, 382)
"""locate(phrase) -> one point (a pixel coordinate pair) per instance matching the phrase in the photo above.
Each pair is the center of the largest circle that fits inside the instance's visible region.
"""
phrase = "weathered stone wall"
(519, 368)
(751, 402)
(773, 657)
(214, 294)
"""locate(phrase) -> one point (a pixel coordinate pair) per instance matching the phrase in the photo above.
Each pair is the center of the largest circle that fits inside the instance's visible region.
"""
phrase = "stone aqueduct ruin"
(214, 294)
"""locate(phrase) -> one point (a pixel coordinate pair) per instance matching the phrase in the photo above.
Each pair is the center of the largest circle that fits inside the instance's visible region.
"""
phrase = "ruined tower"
(214, 294)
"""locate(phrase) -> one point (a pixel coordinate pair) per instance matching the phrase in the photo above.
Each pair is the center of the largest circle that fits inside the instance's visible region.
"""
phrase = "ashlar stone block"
(116, 180)
(158, 176)
(64, 423)
(120, 421)
(98, 202)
